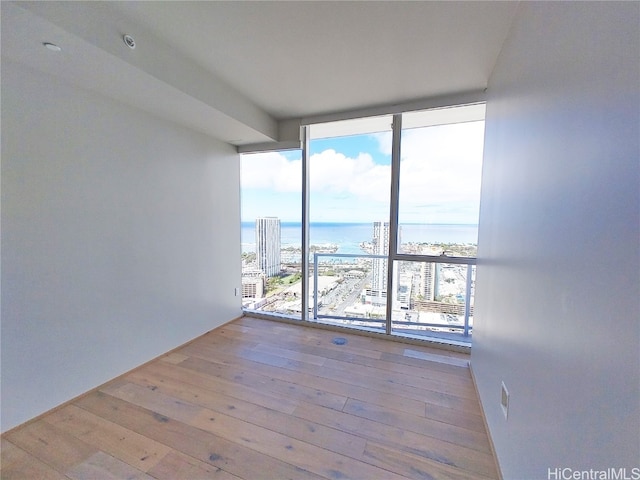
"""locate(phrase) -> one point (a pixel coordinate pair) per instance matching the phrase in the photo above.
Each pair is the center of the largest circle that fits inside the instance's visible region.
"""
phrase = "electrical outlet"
(504, 401)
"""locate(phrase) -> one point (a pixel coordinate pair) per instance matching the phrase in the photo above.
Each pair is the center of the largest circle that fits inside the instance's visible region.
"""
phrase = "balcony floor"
(257, 399)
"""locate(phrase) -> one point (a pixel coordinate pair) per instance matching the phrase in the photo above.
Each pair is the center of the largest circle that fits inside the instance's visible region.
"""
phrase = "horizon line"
(362, 223)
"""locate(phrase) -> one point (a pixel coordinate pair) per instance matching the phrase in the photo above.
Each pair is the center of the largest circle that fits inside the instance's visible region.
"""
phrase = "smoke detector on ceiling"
(129, 41)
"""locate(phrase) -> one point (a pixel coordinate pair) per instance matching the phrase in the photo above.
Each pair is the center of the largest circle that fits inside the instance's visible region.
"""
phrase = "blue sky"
(350, 178)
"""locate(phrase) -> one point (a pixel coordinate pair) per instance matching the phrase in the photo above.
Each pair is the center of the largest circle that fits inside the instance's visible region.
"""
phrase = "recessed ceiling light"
(51, 46)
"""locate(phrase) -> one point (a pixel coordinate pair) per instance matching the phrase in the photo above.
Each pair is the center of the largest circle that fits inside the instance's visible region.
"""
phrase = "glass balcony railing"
(345, 290)
(434, 298)
(429, 298)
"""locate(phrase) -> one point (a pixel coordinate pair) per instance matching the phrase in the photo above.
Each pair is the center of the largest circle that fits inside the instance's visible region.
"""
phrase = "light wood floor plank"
(457, 374)
(230, 388)
(454, 375)
(269, 442)
(459, 389)
(276, 381)
(439, 366)
(102, 466)
(422, 445)
(450, 433)
(53, 446)
(291, 354)
(307, 387)
(433, 357)
(174, 358)
(414, 466)
(434, 364)
(17, 464)
(130, 447)
(177, 465)
(308, 338)
(258, 399)
(358, 342)
(194, 442)
(281, 366)
(286, 424)
(337, 356)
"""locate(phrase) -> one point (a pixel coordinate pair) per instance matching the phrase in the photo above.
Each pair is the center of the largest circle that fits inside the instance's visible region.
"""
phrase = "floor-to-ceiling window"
(438, 206)
(349, 179)
(271, 187)
(397, 192)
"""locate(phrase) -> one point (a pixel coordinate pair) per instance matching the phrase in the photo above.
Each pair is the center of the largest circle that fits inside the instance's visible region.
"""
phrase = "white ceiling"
(243, 66)
(297, 59)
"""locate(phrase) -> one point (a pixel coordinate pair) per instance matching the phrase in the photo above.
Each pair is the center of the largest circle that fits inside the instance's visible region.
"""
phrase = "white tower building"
(379, 272)
(268, 245)
(428, 276)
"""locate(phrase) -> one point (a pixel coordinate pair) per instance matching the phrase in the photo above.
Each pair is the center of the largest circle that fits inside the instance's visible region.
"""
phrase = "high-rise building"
(403, 291)
(253, 283)
(428, 275)
(380, 243)
(268, 245)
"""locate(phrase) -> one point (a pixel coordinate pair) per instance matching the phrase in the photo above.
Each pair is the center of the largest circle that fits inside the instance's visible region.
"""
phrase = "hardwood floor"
(257, 399)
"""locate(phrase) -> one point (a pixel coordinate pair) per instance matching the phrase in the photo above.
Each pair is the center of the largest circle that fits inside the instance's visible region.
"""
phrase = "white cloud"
(333, 172)
(272, 171)
(439, 178)
(441, 164)
(385, 142)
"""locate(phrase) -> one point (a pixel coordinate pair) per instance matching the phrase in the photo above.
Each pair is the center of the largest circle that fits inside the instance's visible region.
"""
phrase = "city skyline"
(426, 296)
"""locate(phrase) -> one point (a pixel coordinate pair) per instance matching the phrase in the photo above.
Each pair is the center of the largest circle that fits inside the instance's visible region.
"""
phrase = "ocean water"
(348, 236)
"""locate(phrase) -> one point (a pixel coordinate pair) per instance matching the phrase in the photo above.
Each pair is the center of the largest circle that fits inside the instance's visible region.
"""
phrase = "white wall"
(120, 239)
(558, 283)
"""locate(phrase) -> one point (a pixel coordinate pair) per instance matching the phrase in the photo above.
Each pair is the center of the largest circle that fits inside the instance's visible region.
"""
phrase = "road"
(343, 296)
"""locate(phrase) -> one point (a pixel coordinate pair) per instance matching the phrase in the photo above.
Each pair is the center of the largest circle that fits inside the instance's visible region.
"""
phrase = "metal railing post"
(315, 286)
(304, 301)
(467, 301)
